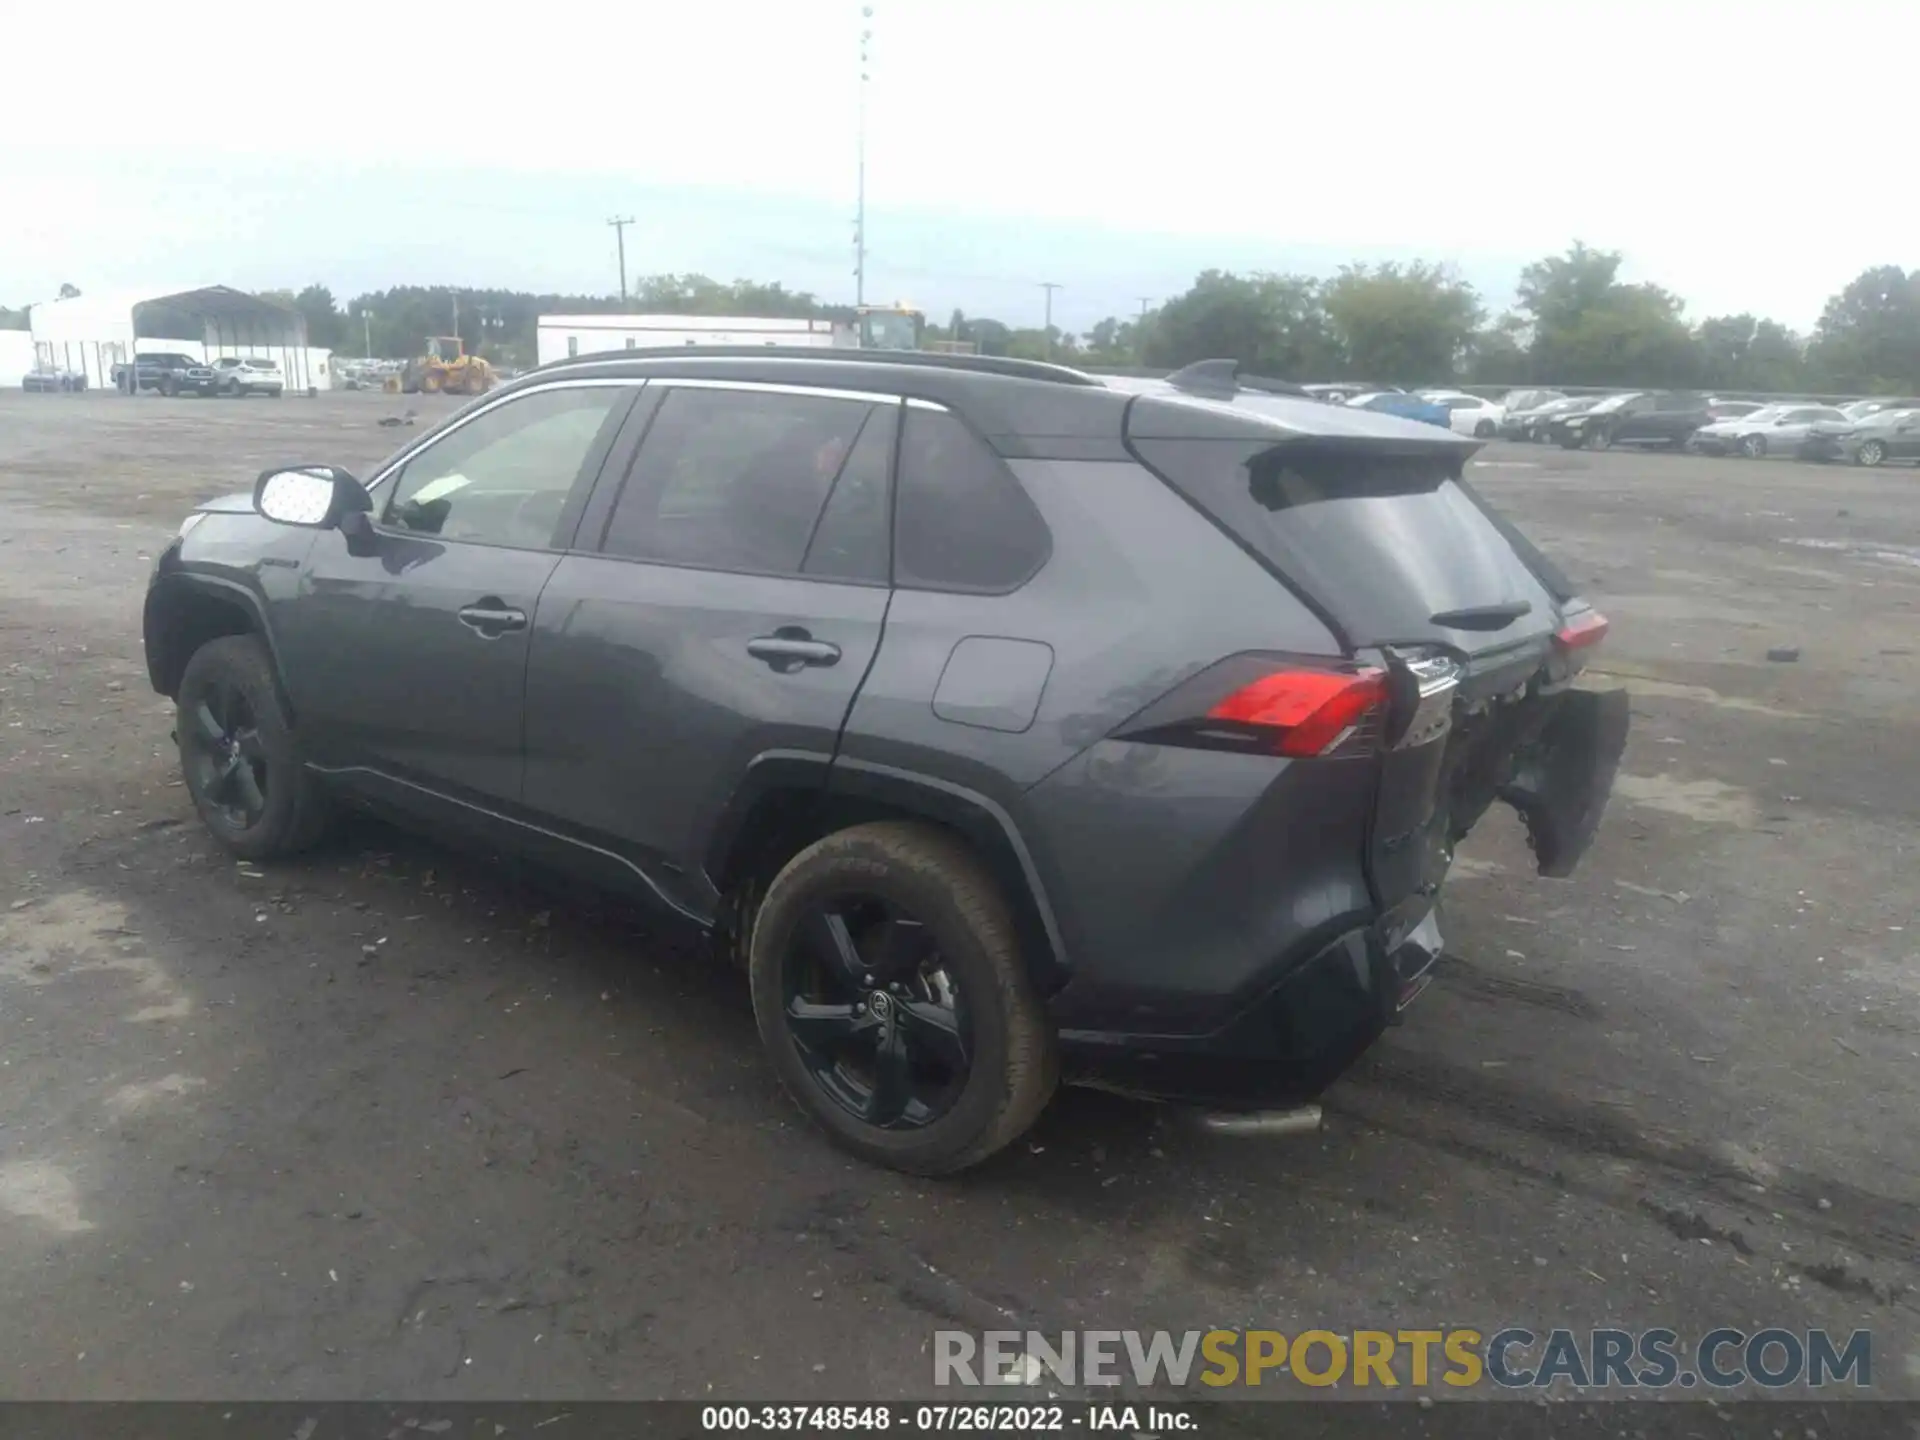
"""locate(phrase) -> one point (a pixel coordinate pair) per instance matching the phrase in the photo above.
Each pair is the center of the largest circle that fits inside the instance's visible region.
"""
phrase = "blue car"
(1407, 407)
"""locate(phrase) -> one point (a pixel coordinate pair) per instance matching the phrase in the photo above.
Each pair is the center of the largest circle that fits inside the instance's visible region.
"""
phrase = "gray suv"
(1007, 724)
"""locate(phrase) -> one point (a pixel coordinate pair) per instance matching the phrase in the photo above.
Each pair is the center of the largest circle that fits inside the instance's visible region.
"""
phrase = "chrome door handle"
(788, 651)
(491, 618)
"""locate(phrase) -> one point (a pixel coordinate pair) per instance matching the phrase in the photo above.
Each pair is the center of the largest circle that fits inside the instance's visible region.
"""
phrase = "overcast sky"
(1117, 148)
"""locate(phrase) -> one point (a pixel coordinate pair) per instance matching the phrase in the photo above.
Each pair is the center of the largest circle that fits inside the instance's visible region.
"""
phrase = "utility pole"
(366, 324)
(619, 224)
(1049, 286)
(860, 202)
(1140, 330)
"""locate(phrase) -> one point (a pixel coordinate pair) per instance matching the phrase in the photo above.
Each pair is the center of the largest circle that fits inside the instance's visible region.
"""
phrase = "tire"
(1485, 430)
(167, 387)
(1599, 439)
(907, 875)
(231, 720)
(1871, 453)
(1754, 447)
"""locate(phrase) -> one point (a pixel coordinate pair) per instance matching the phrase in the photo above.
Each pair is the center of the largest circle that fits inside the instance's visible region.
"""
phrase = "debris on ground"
(1784, 654)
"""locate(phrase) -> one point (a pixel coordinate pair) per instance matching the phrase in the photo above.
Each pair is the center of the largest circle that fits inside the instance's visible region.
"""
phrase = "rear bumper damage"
(1551, 756)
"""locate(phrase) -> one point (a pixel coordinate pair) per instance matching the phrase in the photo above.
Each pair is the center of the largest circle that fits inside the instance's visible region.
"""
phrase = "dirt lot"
(397, 1122)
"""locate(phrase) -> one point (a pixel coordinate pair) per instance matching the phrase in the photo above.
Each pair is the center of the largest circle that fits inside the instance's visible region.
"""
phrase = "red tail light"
(1309, 712)
(1582, 632)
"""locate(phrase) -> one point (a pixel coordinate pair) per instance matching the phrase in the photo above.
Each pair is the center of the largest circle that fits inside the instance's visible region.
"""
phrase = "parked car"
(1731, 409)
(1880, 436)
(1636, 417)
(170, 374)
(1857, 410)
(243, 375)
(1532, 425)
(1340, 393)
(1469, 414)
(52, 378)
(796, 648)
(1529, 399)
(1770, 430)
(1407, 407)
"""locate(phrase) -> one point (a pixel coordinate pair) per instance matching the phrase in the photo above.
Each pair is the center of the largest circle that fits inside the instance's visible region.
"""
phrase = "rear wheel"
(168, 387)
(1873, 452)
(890, 993)
(239, 756)
(1485, 430)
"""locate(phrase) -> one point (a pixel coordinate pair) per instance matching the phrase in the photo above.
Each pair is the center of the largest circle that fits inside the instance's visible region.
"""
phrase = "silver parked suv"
(1006, 723)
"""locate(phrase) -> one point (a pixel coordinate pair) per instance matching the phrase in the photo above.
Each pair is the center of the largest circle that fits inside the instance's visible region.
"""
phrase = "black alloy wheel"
(875, 1012)
(226, 758)
(894, 1001)
(239, 755)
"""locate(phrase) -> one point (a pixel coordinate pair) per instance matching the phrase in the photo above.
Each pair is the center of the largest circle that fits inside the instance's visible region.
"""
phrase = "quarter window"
(738, 480)
(503, 478)
(962, 522)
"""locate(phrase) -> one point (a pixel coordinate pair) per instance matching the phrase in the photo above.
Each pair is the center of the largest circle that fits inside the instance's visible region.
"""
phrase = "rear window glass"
(1381, 542)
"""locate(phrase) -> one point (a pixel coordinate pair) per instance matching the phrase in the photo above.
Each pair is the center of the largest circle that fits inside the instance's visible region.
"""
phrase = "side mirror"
(317, 497)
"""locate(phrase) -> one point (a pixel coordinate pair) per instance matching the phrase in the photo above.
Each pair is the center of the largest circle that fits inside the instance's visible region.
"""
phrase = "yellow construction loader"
(446, 367)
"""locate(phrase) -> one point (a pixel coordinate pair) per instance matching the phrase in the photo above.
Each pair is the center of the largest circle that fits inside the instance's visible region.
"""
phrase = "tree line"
(1574, 322)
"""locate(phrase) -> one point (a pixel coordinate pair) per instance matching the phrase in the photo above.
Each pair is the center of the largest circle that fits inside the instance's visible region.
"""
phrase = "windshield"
(1614, 402)
(1765, 412)
(888, 331)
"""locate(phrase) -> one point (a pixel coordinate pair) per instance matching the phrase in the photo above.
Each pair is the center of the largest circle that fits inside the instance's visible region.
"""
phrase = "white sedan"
(1469, 414)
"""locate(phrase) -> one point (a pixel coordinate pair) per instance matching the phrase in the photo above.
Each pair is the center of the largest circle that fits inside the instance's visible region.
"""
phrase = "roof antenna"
(1214, 379)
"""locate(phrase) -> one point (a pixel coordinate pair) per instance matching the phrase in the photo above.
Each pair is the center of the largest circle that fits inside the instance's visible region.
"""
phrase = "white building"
(558, 336)
(93, 332)
(16, 357)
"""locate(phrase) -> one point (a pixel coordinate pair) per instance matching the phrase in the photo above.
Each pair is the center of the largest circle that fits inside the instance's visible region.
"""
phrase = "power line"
(619, 224)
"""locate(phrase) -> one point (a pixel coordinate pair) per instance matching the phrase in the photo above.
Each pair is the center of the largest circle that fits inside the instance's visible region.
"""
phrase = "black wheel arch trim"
(166, 588)
(963, 809)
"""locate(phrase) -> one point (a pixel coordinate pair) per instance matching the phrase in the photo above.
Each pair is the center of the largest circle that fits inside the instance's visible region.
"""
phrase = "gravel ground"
(396, 1121)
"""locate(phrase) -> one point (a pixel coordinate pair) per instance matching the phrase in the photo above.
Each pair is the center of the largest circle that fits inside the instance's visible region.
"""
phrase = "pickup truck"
(170, 374)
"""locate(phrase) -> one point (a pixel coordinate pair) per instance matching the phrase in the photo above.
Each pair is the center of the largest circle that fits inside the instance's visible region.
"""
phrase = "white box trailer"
(558, 336)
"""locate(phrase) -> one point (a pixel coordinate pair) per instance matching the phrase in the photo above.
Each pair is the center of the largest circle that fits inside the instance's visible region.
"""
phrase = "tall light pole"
(1049, 286)
(366, 324)
(619, 224)
(1140, 331)
(860, 141)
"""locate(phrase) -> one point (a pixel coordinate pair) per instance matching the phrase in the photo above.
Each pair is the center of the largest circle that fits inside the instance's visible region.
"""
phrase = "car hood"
(238, 503)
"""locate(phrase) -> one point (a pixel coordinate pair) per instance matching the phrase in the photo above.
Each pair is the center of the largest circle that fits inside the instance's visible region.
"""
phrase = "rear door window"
(962, 520)
(740, 479)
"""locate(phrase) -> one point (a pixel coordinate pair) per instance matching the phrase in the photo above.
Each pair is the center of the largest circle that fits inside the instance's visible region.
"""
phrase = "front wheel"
(1754, 447)
(891, 995)
(1871, 453)
(1599, 438)
(168, 388)
(239, 756)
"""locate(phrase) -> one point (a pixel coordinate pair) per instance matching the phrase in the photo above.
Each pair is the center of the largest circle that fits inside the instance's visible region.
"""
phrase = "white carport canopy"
(95, 332)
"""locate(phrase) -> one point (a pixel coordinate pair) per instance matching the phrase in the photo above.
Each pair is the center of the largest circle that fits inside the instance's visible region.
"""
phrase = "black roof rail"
(845, 355)
(1222, 379)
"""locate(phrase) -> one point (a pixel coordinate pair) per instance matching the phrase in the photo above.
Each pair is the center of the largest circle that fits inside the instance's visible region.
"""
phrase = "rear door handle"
(790, 647)
(492, 617)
